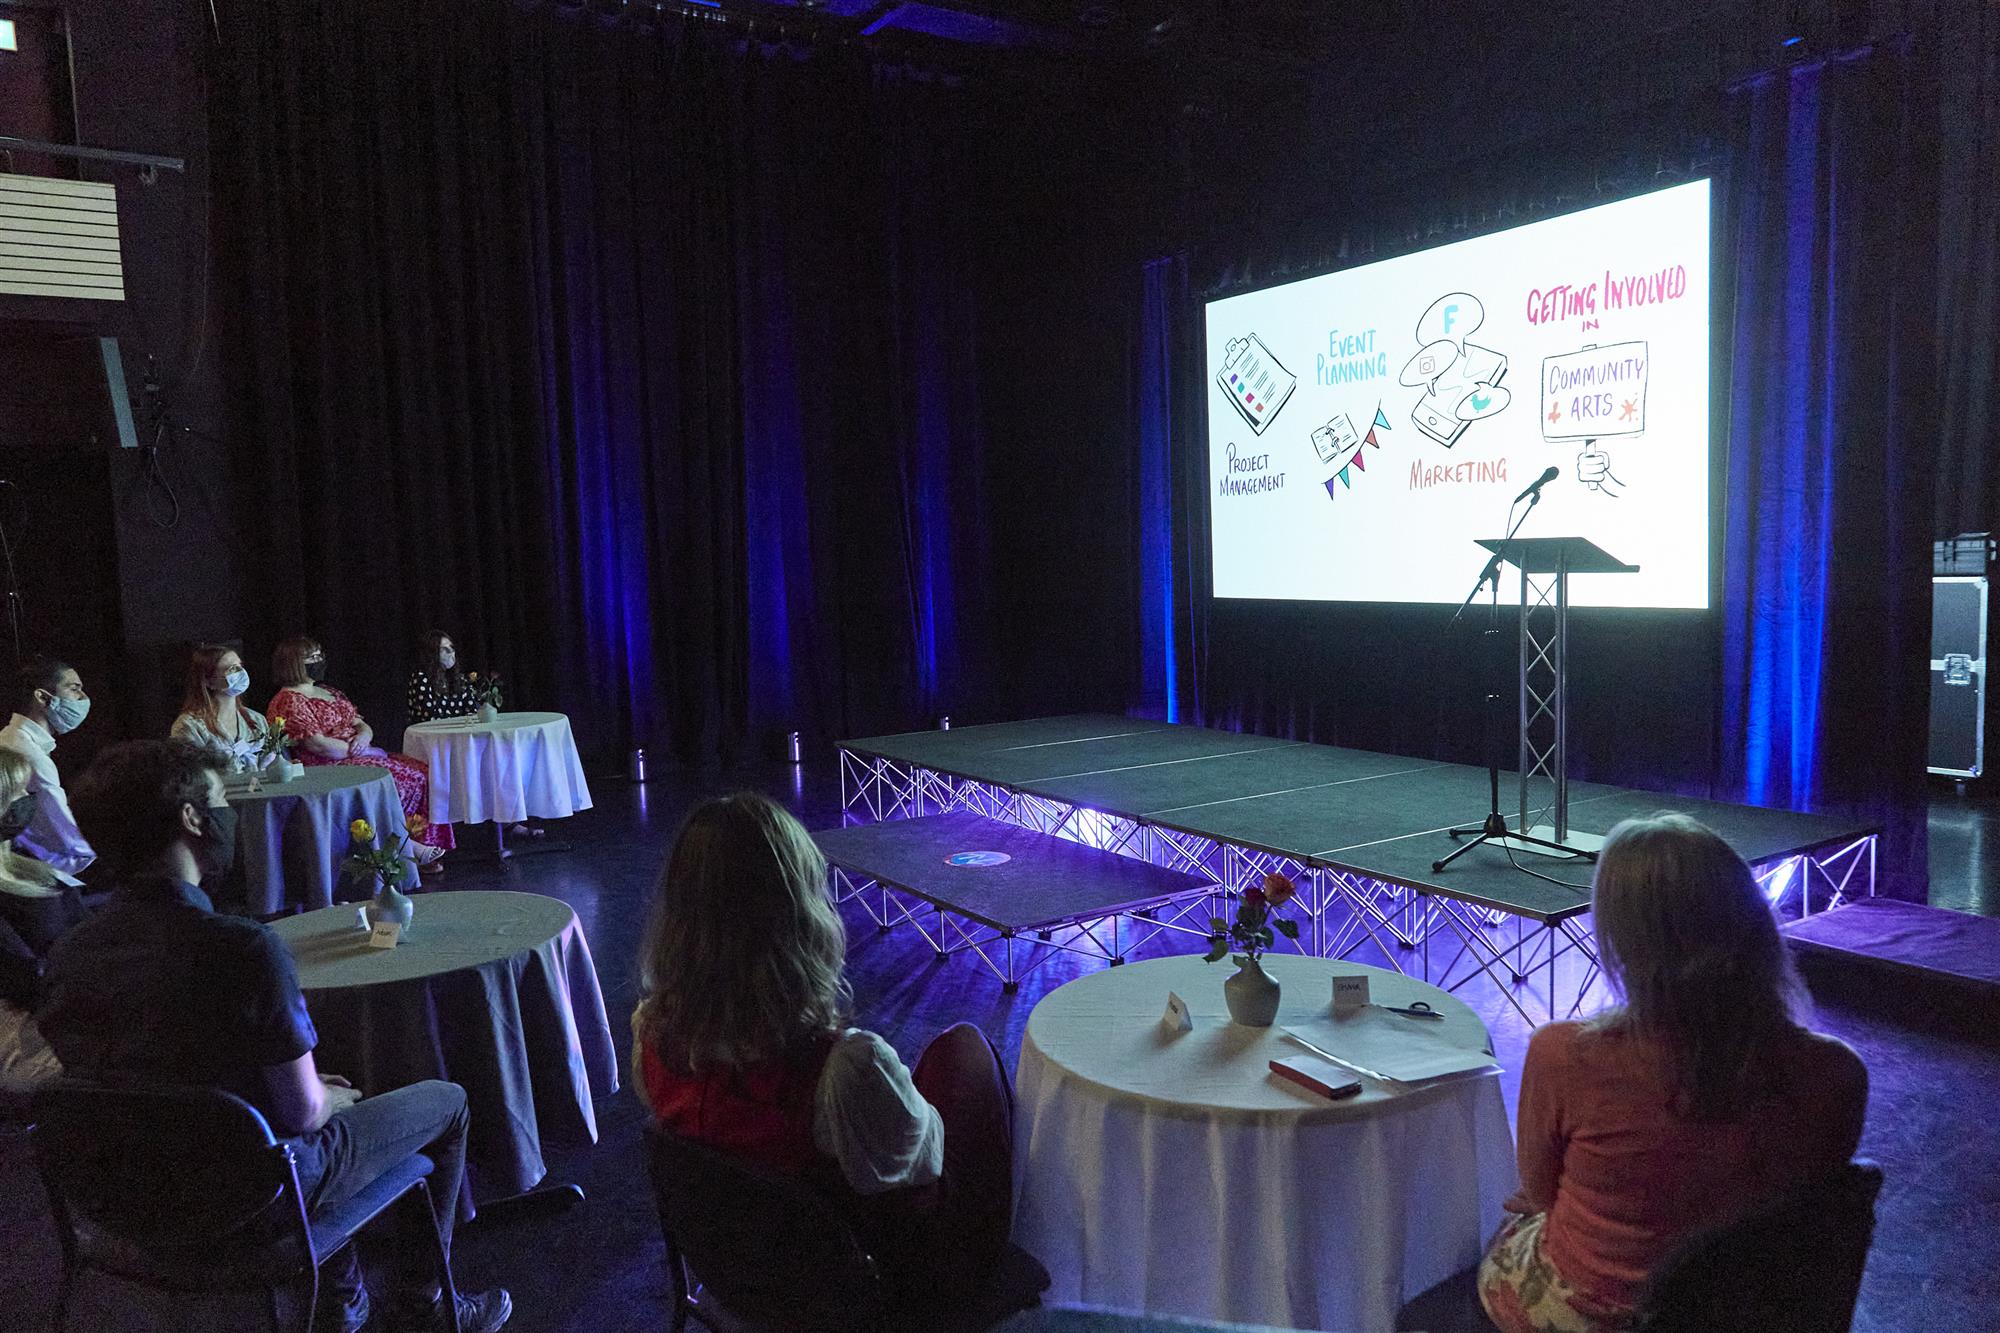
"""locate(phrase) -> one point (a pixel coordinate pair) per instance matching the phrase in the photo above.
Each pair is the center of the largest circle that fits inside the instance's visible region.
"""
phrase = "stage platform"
(1360, 831)
(1001, 890)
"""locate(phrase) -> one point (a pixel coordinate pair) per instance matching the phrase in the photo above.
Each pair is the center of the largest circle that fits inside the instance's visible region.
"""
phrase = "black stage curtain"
(637, 355)
(1968, 58)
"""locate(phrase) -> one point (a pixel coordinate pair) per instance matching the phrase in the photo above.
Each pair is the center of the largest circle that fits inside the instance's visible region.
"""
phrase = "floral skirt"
(413, 789)
(1523, 1293)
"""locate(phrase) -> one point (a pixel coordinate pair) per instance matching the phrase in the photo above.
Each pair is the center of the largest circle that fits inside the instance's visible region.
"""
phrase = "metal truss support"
(1544, 703)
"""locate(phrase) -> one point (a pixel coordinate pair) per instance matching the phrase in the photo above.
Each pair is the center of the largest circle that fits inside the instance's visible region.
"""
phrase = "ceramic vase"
(1252, 995)
(488, 713)
(391, 904)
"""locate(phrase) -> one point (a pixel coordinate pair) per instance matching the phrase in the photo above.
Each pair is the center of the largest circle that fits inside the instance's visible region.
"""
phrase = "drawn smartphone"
(1256, 385)
(1436, 413)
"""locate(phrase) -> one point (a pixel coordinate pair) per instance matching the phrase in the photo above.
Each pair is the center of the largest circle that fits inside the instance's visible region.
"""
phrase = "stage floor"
(1378, 816)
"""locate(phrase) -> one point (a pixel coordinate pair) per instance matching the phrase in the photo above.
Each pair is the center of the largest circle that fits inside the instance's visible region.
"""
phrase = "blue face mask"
(236, 682)
(66, 715)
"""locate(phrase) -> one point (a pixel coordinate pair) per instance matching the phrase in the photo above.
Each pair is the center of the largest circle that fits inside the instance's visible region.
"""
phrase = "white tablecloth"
(521, 766)
(1175, 1174)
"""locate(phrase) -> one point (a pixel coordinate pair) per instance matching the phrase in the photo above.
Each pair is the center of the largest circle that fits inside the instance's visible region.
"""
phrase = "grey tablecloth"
(294, 834)
(493, 991)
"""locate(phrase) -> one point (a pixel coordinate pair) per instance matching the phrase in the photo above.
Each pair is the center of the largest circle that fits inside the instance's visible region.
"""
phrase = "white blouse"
(251, 732)
(869, 1117)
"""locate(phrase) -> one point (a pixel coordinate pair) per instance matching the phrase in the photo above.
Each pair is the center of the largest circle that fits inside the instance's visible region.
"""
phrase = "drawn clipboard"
(1253, 381)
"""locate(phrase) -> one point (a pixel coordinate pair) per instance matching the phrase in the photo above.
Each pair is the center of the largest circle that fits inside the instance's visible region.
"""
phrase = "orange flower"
(1278, 889)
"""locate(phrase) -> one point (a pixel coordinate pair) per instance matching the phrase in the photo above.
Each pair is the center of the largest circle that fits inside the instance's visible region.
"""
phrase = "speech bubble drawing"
(1432, 360)
(1451, 319)
(1483, 401)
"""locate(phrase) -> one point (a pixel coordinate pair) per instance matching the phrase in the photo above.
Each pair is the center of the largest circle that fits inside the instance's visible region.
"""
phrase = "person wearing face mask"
(326, 728)
(157, 987)
(36, 909)
(49, 701)
(213, 715)
(438, 687)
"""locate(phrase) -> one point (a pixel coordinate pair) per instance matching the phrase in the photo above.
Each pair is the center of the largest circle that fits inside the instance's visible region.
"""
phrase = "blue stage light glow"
(1165, 285)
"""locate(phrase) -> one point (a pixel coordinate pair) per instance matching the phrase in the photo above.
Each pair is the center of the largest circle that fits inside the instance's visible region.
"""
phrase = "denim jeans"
(355, 1147)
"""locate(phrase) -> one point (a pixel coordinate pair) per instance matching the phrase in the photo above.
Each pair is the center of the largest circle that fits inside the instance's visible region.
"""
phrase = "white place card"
(385, 935)
(1350, 993)
(1177, 1018)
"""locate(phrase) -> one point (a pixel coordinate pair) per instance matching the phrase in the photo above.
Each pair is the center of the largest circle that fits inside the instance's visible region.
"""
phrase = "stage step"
(1935, 969)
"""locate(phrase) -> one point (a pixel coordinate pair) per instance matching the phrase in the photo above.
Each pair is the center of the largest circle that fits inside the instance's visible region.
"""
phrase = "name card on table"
(1350, 994)
(384, 935)
(1177, 1018)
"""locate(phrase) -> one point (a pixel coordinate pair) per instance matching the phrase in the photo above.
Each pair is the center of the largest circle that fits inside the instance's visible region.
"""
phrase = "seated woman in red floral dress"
(326, 729)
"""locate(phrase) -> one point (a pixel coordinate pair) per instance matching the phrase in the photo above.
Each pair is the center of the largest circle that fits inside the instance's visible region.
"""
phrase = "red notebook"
(1317, 1075)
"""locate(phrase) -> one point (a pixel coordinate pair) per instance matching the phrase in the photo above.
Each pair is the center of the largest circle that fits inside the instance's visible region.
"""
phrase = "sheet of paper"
(1399, 1050)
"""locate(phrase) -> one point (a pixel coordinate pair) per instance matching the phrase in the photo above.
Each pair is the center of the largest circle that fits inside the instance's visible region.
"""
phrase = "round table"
(1174, 1173)
(293, 835)
(519, 766)
(495, 992)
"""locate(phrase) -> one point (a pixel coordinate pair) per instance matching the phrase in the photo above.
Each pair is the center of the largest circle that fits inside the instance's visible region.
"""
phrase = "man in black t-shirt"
(158, 986)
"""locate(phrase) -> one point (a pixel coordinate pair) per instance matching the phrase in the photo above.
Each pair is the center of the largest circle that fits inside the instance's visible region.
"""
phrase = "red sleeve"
(1540, 1135)
(301, 718)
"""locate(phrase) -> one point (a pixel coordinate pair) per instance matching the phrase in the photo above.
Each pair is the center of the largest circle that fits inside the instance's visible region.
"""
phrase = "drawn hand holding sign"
(1593, 469)
(1461, 380)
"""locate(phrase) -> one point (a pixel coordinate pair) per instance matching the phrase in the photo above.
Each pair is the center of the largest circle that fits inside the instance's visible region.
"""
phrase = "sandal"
(527, 830)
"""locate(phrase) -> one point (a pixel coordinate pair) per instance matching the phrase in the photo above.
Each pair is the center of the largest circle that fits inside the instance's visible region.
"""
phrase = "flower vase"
(391, 904)
(488, 714)
(1252, 995)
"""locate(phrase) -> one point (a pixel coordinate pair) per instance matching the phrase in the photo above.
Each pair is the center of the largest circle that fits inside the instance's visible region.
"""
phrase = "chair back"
(1794, 1267)
(771, 1251)
(175, 1187)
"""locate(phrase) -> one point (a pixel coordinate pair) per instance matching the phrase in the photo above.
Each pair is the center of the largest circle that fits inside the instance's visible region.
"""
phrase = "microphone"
(1539, 482)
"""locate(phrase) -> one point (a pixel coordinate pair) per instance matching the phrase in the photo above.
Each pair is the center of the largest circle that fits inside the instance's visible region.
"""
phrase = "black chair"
(1794, 1267)
(749, 1250)
(184, 1190)
(1791, 1267)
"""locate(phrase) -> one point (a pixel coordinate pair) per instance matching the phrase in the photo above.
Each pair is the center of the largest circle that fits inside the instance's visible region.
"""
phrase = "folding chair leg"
(677, 1284)
(64, 1294)
(420, 1197)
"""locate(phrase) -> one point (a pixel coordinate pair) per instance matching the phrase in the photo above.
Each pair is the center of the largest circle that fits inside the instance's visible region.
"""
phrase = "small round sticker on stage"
(977, 859)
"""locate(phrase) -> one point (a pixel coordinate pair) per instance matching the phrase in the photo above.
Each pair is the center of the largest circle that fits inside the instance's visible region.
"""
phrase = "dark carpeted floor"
(1935, 1267)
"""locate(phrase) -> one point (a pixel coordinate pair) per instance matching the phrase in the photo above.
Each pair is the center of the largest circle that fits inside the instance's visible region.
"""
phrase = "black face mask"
(315, 672)
(14, 820)
(218, 841)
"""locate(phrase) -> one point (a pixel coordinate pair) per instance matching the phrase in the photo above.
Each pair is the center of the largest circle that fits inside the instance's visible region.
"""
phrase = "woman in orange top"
(1695, 1100)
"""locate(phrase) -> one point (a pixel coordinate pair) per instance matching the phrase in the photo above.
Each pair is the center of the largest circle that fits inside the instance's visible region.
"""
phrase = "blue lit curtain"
(1831, 394)
(1161, 366)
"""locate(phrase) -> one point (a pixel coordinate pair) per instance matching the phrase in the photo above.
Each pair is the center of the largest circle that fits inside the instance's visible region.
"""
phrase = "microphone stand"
(1495, 826)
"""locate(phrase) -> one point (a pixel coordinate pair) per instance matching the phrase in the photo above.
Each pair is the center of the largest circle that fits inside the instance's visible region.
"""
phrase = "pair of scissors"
(1417, 1009)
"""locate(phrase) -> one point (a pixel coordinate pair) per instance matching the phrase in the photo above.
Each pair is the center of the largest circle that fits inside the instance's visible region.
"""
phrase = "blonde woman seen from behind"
(742, 1044)
(1697, 1098)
